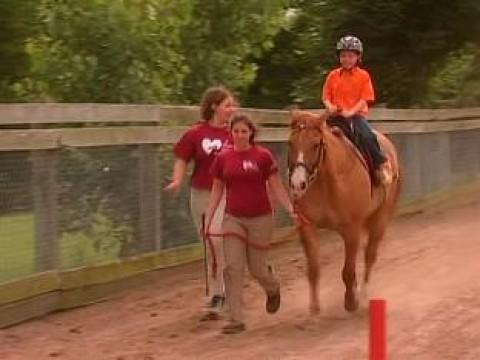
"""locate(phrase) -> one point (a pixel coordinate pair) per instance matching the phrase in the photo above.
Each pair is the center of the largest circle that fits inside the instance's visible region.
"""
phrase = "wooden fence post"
(150, 198)
(45, 194)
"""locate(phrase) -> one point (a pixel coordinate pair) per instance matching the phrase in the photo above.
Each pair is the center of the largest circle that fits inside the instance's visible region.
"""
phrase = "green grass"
(17, 246)
(99, 246)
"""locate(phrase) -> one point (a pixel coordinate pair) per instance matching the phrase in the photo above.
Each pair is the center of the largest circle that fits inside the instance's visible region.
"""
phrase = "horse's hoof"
(210, 316)
(351, 301)
(314, 309)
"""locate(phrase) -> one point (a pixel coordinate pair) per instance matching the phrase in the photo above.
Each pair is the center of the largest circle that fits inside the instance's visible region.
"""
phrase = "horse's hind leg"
(351, 239)
(376, 232)
(308, 237)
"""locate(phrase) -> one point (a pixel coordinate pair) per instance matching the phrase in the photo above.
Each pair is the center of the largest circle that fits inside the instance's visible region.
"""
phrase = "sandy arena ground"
(428, 271)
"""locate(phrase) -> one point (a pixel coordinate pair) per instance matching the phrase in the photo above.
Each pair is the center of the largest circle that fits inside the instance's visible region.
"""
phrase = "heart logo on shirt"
(209, 145)
(248, 165)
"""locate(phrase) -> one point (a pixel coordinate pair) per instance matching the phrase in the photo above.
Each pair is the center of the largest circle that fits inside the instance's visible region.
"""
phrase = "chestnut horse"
(332, 189)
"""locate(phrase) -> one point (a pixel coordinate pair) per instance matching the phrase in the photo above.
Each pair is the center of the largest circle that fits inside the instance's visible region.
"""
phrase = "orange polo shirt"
(345, 88)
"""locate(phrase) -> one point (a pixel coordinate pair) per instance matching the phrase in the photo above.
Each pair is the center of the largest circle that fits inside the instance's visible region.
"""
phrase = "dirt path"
(428, 271)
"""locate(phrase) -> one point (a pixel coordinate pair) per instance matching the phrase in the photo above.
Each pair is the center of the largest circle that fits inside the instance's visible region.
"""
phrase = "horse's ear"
(322, 119)
(293, 122)
(294, 116)
(292, 108)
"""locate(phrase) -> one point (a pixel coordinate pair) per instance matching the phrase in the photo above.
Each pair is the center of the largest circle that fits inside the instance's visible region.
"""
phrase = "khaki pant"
(198, 206)
(237, 253)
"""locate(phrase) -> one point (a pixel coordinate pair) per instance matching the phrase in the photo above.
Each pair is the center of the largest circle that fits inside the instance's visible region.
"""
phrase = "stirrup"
(384, 174)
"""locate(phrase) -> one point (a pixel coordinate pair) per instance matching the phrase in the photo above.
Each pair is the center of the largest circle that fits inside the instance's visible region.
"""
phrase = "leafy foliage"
(457, 81)
(405, 42)
(16, 26)
(224, 39)
(107, 51)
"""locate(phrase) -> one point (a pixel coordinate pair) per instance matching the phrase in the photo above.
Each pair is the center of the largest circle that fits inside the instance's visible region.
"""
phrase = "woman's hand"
(207, 222)
(293, 215)
(216, 194)
(179, 170)
(173, 187)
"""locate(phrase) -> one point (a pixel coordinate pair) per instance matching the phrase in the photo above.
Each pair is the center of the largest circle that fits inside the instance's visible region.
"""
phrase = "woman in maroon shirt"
(200, 144)
(247, 173)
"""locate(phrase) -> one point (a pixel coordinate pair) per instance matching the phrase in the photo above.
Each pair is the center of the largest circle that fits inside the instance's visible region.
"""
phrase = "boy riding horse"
(346, 94)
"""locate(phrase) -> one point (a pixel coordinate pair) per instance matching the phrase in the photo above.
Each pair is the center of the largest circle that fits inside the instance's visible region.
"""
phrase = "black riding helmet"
(351, 43)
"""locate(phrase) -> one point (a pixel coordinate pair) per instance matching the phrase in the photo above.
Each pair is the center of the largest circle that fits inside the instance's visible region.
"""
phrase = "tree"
(107, 51)
(224, 40)
(405, 40)
(16, 26)
(457, 80)
(278, 70)
(104, 51)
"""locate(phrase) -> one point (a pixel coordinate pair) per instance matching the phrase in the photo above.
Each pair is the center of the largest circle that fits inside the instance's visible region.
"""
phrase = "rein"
(312, 171)
(207, 238)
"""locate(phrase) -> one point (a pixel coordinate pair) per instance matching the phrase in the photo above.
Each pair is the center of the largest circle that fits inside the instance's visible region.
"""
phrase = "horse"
(332, 189)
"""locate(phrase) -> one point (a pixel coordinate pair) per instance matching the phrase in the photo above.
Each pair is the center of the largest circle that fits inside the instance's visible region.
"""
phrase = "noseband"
(312, 170)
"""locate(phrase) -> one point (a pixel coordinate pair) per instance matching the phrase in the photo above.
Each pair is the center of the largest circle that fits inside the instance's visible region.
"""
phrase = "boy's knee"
(370, 136)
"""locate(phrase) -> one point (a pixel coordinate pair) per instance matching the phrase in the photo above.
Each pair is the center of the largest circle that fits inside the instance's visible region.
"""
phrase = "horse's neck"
(340, 161)
(339, 169)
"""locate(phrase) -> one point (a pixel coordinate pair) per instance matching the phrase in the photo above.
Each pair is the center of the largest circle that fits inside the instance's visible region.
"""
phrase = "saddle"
(342, 127)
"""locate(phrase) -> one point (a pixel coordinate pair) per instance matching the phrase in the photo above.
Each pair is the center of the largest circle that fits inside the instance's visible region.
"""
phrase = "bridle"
(312, 170)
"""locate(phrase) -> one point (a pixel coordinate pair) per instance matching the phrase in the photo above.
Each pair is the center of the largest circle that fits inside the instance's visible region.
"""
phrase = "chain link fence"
(69, 206)
(80, 207)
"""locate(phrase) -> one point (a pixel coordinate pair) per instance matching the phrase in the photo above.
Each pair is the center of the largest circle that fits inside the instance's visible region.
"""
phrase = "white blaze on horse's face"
(299, 178)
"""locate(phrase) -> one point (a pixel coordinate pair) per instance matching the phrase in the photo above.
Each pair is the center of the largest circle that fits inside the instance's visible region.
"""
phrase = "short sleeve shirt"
(201, 144)
(345, 88)
(245, 174)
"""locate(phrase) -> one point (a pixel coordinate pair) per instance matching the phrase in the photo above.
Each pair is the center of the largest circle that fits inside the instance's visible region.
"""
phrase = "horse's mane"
(302, 119)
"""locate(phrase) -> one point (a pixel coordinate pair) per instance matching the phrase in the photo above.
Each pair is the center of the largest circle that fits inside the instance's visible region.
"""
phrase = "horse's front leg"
(351, 237)
(309, 239)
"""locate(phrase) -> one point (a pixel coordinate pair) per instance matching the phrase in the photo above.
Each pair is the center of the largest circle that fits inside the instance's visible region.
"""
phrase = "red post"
(378, 329)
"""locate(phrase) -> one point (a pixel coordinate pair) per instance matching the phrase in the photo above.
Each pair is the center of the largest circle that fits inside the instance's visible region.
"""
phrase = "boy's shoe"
(384, 173)
(233, 327)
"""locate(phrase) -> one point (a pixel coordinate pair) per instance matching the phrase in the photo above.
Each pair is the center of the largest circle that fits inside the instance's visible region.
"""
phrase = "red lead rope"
(207, 238)
(302, 219)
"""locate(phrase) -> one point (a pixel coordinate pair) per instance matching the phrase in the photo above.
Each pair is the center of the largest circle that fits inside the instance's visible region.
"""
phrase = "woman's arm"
(179, 170)
(216, 194)
(277, 188)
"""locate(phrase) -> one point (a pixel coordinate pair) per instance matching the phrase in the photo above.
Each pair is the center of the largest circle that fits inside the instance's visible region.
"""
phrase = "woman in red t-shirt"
(244, 173)
(200, 144)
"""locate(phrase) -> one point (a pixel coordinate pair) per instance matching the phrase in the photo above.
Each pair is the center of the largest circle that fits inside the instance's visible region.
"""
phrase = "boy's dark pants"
(361, 134)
